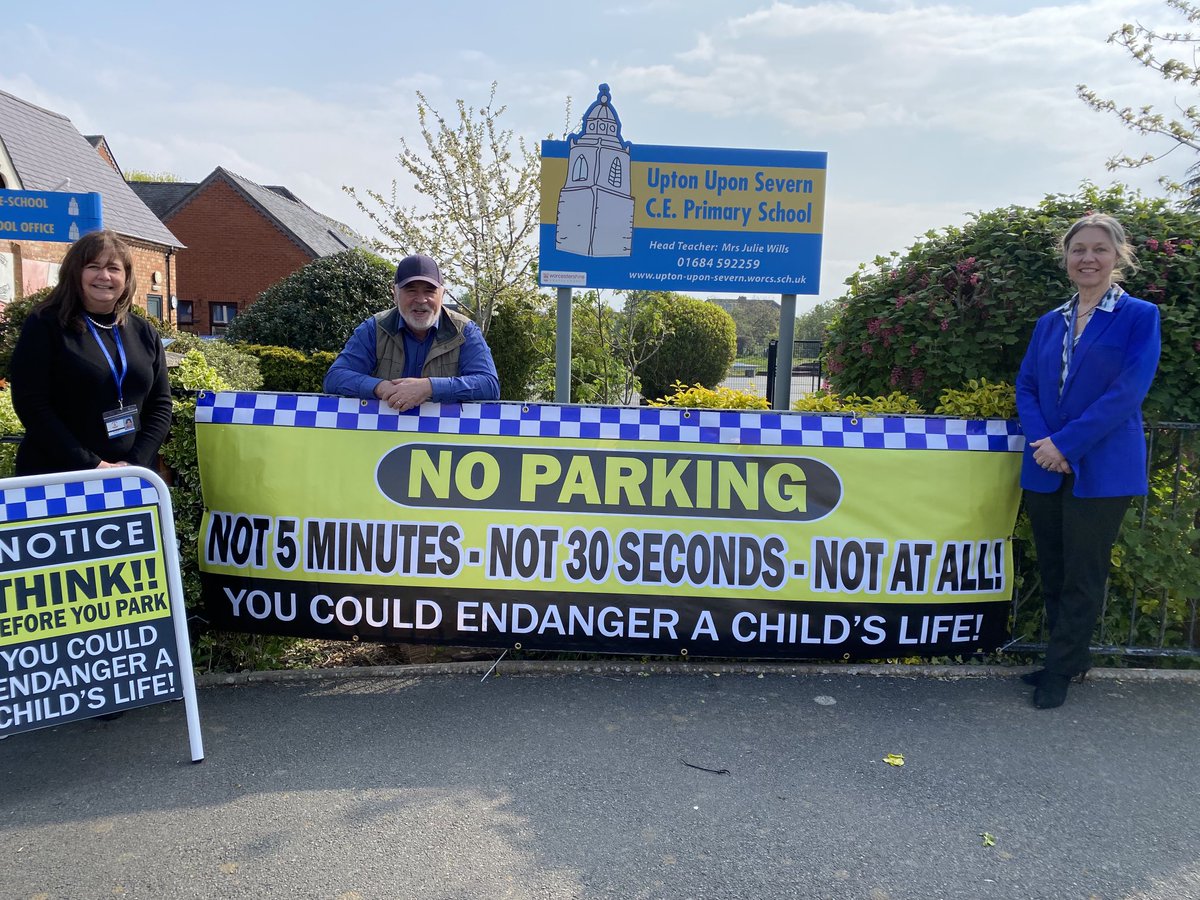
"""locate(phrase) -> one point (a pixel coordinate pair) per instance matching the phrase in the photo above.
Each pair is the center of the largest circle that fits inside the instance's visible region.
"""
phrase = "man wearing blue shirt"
(417, 351)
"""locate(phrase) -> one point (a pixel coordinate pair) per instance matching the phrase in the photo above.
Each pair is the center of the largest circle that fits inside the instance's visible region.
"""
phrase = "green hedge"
(962, 302)
(288, 370)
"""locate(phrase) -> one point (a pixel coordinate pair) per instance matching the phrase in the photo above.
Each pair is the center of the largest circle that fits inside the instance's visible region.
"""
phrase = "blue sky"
(928, 111)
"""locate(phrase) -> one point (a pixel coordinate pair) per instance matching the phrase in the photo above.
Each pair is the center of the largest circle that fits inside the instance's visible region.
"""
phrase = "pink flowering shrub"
(961, 303)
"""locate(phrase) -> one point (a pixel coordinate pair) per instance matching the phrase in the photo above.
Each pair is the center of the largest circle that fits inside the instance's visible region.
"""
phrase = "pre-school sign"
(91, 603)
(639, 216)
(56, 216)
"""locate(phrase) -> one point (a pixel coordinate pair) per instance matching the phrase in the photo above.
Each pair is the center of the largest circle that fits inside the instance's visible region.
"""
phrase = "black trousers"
(1074, 538)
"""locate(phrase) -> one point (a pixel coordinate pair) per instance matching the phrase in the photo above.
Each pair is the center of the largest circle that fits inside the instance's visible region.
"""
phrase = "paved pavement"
(575, 783)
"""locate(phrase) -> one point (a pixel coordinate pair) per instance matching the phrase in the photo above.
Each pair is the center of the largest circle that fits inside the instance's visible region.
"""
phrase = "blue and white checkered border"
(703, 426)
(23, 503)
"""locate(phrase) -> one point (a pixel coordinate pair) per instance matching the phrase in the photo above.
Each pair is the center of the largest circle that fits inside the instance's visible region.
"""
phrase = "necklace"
(99, 324)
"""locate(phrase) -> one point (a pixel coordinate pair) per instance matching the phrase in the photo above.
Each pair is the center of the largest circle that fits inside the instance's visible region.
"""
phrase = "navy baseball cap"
(418, 267)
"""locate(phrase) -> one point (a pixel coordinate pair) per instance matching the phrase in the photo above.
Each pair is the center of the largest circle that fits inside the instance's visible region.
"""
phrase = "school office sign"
(59, 216)
(645, 217)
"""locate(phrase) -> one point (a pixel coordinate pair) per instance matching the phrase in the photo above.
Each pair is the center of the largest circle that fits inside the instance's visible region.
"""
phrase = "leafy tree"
(961, 304)
(1151, 48)
(698, 346)
(610, 345)
(595, 368)
(607, 344)
(521, 340)
(642, 331)
(316, 307)
(1192, 187)
(757, 321)
(811, 326)
(481, 190)
(142, 175)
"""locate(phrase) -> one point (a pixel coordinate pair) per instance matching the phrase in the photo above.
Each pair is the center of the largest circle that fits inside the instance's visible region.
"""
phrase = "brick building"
(241, 237)
(41, 150)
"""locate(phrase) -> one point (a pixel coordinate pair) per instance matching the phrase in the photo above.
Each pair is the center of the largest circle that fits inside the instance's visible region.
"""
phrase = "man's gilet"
(442, 360)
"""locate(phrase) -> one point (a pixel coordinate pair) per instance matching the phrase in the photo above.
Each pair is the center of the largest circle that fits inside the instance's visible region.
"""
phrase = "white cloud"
(704, 50)
(833, 68)
(927, 110)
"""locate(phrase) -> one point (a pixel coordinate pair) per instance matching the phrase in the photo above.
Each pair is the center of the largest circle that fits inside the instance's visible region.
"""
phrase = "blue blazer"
(1097, 422)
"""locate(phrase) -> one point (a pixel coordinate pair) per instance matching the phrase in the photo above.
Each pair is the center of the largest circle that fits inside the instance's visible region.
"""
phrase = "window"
(154, 306)
(580, 170)
(614, 173)
(183, 312)
(222, 314)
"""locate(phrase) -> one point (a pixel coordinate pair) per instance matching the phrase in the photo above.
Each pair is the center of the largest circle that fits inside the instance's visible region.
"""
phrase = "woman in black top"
(89, 381)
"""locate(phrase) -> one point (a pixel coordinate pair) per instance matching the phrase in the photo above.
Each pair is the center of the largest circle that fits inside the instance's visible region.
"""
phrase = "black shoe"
(1035, 678)
(1052, 691)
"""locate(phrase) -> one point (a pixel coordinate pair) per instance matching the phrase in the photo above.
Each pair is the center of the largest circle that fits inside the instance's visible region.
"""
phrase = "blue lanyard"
(118, 377)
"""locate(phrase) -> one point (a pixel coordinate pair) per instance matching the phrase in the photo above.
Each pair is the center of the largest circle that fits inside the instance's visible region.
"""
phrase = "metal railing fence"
(758, 375)
(1152, 600)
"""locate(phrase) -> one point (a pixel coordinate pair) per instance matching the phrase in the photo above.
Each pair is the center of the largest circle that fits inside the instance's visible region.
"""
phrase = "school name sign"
(616, 214)
(611, 530)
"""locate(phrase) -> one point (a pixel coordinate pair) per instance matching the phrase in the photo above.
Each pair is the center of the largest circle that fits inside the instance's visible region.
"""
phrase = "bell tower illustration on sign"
(595, 206)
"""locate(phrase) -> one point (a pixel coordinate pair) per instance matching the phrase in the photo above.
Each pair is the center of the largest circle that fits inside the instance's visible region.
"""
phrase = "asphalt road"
(577, 785)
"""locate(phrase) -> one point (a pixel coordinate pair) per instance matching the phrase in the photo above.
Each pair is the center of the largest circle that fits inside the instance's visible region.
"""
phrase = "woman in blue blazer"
(1089, 365)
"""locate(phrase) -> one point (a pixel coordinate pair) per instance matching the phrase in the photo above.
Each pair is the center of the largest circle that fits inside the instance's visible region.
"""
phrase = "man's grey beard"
(413, 326)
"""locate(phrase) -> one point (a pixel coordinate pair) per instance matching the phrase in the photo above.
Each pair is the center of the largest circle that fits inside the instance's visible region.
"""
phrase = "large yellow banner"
(594, 528)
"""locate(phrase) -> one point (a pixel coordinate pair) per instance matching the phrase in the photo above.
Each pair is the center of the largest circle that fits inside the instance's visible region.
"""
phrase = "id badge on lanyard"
(124, 419)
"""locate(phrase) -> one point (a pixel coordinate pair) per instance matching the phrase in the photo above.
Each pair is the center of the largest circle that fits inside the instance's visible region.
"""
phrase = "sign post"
(562, 344)
(782, 396)
(56, 216)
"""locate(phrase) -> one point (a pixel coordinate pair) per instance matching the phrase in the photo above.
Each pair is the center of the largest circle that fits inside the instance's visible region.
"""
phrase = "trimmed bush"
(700, 346)
(195, 374)
(317, 307)
(288, 370)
